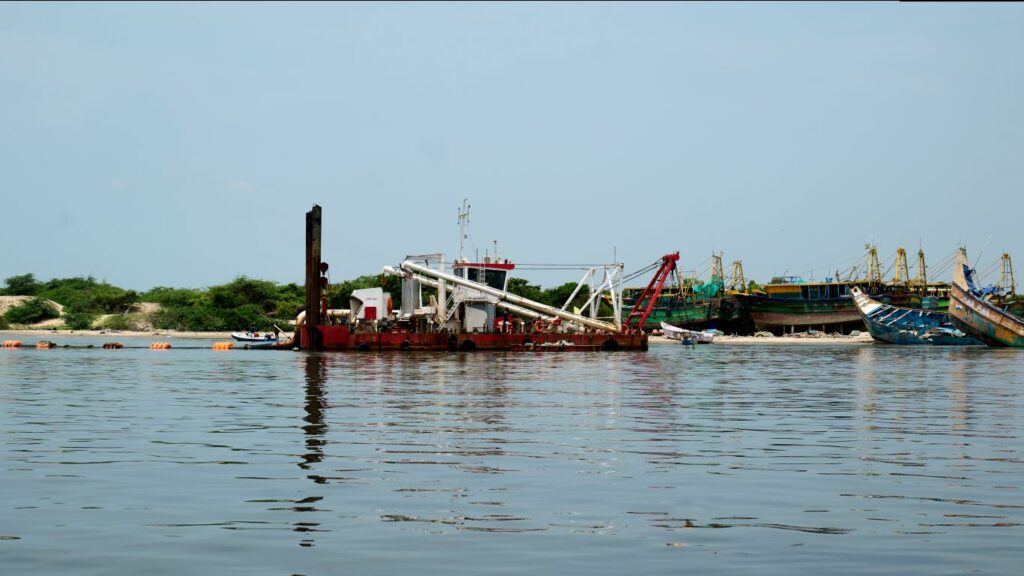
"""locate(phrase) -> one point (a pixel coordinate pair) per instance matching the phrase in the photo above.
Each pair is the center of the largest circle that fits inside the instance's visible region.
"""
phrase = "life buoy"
(406, 345)
(538, 326)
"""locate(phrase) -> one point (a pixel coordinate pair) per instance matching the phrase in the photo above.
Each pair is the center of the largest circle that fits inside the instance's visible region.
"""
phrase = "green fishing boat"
(692, 303)
(790, 304)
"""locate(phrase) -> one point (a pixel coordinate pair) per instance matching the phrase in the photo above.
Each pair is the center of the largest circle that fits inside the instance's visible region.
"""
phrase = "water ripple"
(843, 459)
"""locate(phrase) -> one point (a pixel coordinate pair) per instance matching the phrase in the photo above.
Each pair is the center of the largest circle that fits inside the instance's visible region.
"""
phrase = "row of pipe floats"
(45, 344)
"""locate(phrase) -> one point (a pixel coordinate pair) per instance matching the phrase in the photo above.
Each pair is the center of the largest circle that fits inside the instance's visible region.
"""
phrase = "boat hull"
(906, 326)
(340, 338)
(248, 337)
(983, 320)
(691, 314)
(767, 312)
(675, 333)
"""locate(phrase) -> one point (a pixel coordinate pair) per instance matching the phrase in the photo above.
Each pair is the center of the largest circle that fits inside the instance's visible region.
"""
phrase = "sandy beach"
(797, 340)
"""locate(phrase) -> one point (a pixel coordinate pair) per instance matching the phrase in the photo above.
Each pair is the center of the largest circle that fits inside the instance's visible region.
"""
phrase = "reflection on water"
(315, 367)
(742, 459)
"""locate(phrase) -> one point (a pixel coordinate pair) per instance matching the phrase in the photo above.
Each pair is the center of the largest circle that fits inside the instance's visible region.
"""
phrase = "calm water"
(744, 460)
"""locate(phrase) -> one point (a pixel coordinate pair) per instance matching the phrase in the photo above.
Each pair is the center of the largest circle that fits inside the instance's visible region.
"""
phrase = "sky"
(181, 144)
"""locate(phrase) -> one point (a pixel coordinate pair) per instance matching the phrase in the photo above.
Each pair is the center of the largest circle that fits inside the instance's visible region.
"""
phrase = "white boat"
(261, 337)
(675, 333)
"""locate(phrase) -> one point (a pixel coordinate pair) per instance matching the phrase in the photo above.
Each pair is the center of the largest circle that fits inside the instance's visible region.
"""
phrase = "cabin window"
(804, 293)
(496, 279)
(472, 274)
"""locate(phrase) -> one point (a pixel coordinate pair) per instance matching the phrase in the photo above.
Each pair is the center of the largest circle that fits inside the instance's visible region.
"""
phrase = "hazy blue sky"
(181, 145)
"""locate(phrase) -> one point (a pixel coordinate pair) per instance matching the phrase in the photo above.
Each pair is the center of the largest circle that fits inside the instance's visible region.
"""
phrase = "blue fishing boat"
(972, 308)
(896, 325)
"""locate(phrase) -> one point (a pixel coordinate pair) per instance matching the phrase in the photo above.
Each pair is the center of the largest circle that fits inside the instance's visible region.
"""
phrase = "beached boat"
(675, 333)
(790, 304)
(970, 311)
(682, 311)
(896, 325)
(793, 304)
(692, 304)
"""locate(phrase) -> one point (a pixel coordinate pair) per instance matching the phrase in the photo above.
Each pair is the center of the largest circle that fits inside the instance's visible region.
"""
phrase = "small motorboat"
(255, 337)
(676, 333)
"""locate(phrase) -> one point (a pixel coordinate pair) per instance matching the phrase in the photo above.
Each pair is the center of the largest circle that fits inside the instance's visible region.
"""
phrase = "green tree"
(558, 295)
(338, 295)
(173, 296)
(521, 287)
(23, 285)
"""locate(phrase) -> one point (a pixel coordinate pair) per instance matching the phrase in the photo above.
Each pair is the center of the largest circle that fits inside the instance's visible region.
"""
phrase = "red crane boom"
(645, 303)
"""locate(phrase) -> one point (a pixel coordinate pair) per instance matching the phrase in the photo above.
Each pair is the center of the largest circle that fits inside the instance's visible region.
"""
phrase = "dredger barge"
(471, 309)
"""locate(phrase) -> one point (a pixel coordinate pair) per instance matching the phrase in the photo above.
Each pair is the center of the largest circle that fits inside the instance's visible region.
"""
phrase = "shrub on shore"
(237, 305)
(79, 320)
(31, 312)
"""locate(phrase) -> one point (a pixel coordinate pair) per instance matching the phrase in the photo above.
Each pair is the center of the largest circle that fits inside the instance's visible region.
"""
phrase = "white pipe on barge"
(506, 305)
(512, 298)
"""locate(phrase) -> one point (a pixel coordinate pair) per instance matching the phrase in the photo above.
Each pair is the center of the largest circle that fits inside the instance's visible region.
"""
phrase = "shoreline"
(862, 339)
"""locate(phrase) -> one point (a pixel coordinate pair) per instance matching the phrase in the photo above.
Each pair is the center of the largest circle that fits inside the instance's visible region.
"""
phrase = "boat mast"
(902, 275)
(737, 277)
(922, 271)
(874, 268)
(716, 267)
(1007, 285)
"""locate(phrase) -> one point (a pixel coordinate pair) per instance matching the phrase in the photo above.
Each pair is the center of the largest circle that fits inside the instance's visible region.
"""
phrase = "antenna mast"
(463, 220)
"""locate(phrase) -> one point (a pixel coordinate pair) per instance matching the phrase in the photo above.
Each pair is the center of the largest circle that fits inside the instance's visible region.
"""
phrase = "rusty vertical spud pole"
(313, 290)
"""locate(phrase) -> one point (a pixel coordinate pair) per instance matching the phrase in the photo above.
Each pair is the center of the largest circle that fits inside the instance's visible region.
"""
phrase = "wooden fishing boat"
(792, 304)
(694, 304)
(972, 313)
(683, 311)
(896, 325)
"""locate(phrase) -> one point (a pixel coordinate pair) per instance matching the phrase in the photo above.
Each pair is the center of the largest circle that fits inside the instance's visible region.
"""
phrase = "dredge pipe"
(506, 305)
(332, 313)
(512, 298)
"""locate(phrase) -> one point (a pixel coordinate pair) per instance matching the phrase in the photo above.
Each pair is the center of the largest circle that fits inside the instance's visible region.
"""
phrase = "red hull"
(339, 338)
